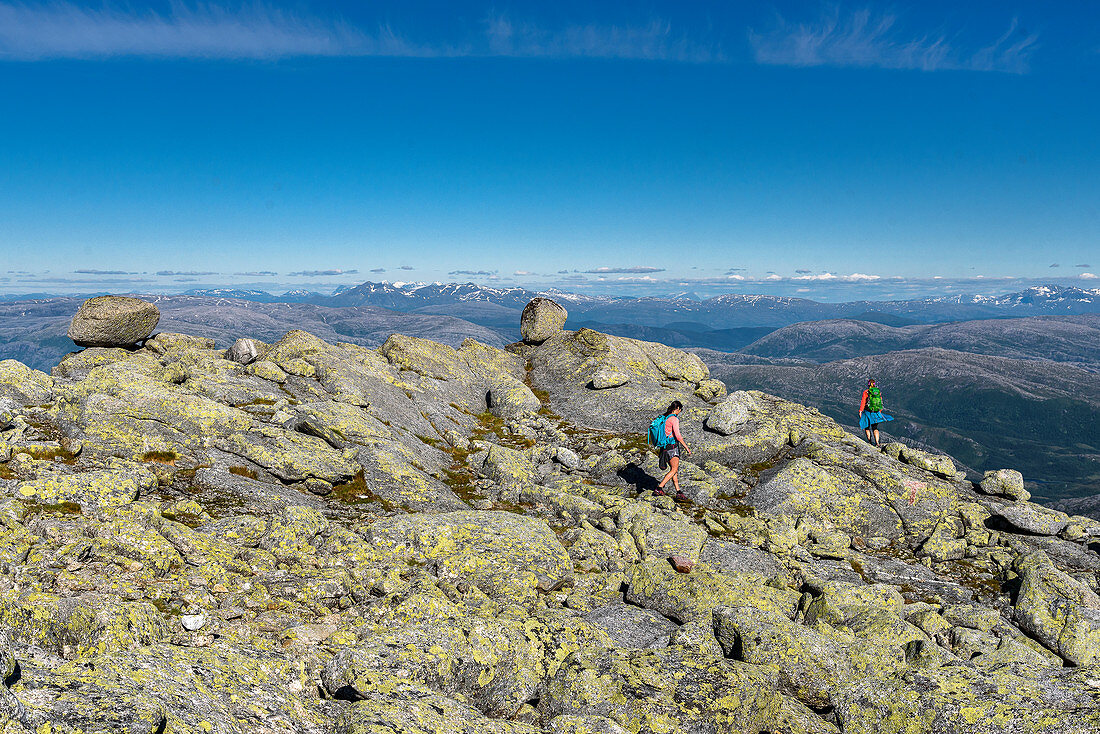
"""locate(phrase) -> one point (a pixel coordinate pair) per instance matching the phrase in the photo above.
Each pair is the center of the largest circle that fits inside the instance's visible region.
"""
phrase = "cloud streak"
(866, 39)
(314, 273)
(853, 278)
(633, 270)
(60, 29)
(655, 41)
(64, 30)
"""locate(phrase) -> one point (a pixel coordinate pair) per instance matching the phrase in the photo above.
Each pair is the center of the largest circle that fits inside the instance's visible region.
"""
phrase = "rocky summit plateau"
(302, 536)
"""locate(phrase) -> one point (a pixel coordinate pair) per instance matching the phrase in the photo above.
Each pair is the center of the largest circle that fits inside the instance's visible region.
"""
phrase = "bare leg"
(876, 437)
(673, 467)
(868, 432)
(676, 473)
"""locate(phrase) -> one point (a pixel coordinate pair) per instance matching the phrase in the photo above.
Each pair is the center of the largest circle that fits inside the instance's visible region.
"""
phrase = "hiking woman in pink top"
(670, 455)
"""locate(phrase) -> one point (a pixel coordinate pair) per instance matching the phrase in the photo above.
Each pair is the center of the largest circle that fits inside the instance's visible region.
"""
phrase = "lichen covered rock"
(732, 413)
(1058, 610)
(420, 539)
(113, 321)
(541, 319)
(89, 490)
(504, 555)
(1005, 483)
(664, 690)
(22, 385)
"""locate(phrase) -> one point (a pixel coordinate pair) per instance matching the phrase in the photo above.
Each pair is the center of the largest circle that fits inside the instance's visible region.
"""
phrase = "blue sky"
(819, 149)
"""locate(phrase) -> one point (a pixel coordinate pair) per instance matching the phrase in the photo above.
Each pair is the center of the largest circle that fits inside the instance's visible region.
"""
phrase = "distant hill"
(1042, 417)
(34, 332)
(1072, 339)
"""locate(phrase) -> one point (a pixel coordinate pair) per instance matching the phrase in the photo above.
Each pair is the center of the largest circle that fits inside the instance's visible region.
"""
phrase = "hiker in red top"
(670, 454)
(870, 411)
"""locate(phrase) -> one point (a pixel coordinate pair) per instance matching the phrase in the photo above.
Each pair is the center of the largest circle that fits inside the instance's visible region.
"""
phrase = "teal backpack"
(657, 437)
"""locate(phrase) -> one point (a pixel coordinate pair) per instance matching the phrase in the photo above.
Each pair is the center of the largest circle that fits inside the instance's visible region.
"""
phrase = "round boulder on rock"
(244, 351)
(8, 411)
(113, 321)
(541, 319)
(606, 378)
(732, 413)
(1005, 483)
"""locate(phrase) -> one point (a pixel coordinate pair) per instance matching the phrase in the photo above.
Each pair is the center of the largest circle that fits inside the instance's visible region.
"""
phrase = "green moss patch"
(161, 457)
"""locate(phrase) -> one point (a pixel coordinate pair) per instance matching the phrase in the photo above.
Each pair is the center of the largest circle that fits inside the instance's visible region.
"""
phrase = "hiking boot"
(659, 492)
(681, 497)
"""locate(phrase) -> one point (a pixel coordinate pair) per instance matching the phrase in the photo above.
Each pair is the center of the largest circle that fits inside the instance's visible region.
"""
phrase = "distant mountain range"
(1007, 381)
(499, 308)
(34, 332)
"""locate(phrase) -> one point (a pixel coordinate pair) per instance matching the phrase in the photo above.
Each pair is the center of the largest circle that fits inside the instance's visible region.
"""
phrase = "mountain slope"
(1073, 339)
(1041, 417)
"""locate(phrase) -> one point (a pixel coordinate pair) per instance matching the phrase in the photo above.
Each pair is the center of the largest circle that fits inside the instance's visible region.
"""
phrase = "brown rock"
(681, 563)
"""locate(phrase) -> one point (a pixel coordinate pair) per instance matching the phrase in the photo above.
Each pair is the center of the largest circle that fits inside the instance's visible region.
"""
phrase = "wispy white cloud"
(655, 41)
(867, 39)
(315, 273)
(635, 269)
(64, 30)
(59, 29)
(1088, 276)
(853, 278)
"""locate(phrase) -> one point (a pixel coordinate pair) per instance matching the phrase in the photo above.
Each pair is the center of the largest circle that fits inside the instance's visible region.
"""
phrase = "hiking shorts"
(664, 459)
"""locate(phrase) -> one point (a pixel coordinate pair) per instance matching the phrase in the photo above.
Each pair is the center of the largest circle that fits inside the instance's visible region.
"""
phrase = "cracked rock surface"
(423, 539)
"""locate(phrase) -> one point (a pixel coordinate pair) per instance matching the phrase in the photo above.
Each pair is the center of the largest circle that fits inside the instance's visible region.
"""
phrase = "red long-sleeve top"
(863, 402)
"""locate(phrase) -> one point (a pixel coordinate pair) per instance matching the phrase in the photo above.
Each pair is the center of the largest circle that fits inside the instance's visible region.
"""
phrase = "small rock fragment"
(681, 564)
(567, 458)
(244, 351)
(193, 622)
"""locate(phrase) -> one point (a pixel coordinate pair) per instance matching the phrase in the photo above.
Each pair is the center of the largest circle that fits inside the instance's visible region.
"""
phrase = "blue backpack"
(657, 435)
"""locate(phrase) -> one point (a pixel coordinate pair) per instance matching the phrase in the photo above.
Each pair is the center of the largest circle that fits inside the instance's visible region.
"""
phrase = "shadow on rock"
(637, 477)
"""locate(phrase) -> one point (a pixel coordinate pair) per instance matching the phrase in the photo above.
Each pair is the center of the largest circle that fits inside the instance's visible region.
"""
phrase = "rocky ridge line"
(314, 537)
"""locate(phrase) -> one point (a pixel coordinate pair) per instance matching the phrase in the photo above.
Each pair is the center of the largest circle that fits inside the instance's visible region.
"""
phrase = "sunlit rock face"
(303, 536)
